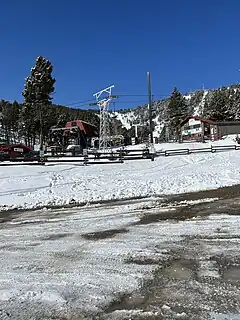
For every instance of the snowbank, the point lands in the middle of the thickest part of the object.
(37, 186)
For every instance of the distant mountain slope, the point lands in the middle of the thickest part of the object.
(200, 102)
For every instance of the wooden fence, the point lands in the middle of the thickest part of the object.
(117, 156)
(187, 151)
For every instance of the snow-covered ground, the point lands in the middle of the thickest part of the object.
(46, 264)
(64, 264)
(226, 140)
(63, 184)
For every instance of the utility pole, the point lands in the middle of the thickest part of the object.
(150, 107)
(136, 130)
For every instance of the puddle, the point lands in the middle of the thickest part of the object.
(155, 291)
(232, 274)
(144, 260)
(186, 284)
(99, 235)
(5, 217)
(177, 214)
(181, 270)
(56, 236)
(181, 212)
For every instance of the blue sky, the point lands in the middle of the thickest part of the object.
(95, 43)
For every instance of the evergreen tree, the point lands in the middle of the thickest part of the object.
(205, 109)
(9, 121)
(230, 105)
(177, 110)
(236, 105)
(36, 111)
(4, 123)
(218, 106)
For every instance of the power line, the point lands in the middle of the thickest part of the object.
(122, 102)
(119, 102)
(83, 102)
(79, 102)
(130, 101)
(142, 95)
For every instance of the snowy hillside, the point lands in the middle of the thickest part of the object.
(139, 115)
(200, 103)
(127, 119)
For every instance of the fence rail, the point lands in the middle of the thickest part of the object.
(112, 156)
(187, 151)
(117, 156)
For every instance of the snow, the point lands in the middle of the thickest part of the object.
(125, 118)
(72, 183)
(225, 141)
(159, 125)
(220, 316)
(47, 264)
(199, 108)
(50, 270)
(187, 96)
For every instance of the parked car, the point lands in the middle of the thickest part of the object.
(17, 151)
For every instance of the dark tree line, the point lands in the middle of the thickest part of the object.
(28, 121)
(223, 104)
(13, 129)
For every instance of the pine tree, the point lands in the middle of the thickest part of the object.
(230, 112)
(4, 122)
(205, 109)
(9, 121)
(177, 110)
(218, 106)
(36, 111)
(236, 105)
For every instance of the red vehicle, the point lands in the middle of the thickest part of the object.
(13, 151)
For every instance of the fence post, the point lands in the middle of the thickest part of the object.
(85, 154)
(152, 152)
(212, 150)
(121, 156)
(41, 157)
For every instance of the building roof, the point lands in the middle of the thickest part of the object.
(87, 128)
(197, 118)
(228, 123)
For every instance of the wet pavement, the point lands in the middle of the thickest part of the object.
(186, 247)
(193, 282)
(228, 194)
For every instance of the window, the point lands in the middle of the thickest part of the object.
(196, 126)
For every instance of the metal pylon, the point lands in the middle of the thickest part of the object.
(104, 143)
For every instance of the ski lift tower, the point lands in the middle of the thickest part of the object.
(104, 97)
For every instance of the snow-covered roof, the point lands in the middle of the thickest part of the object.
(197, 118)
